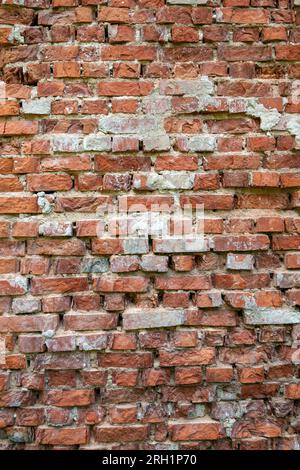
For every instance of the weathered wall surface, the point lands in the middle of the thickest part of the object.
(141, 344)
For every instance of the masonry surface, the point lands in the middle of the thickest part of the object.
(149, 344)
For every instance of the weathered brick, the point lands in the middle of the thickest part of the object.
(121, 284)
(200, 430)
(271, 316)
(121, 433)
(58, 285)
(241, 243)
(142, 359)
(63, 436)
(89, 321)
(71, 247)
(21, 305)
(136, 320)
(239, 262)
(180, 245)
(187, 358)
(16, 286)
(24, 323)
(183, 282)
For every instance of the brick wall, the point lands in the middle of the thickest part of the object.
(141, 344)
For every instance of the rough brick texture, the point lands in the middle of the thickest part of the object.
(115, 343)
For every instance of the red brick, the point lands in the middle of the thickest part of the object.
(128, 53)
(25, 323)
(188, 375)
(219, 374)
(211, 202)
(183, 283)
(175, 300)
(69, 398)
(35, 265)
(18, 205)
(25, 229)
(63, 436)
(286, 242)
(185, 339)
(241, 281)
(245, 16)
(241, 242)
(49, 182)
(210, 318)
(184, 34)
(129, 360)
(195, 431)
(122, 284)
(187, 358)
(58, 285)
